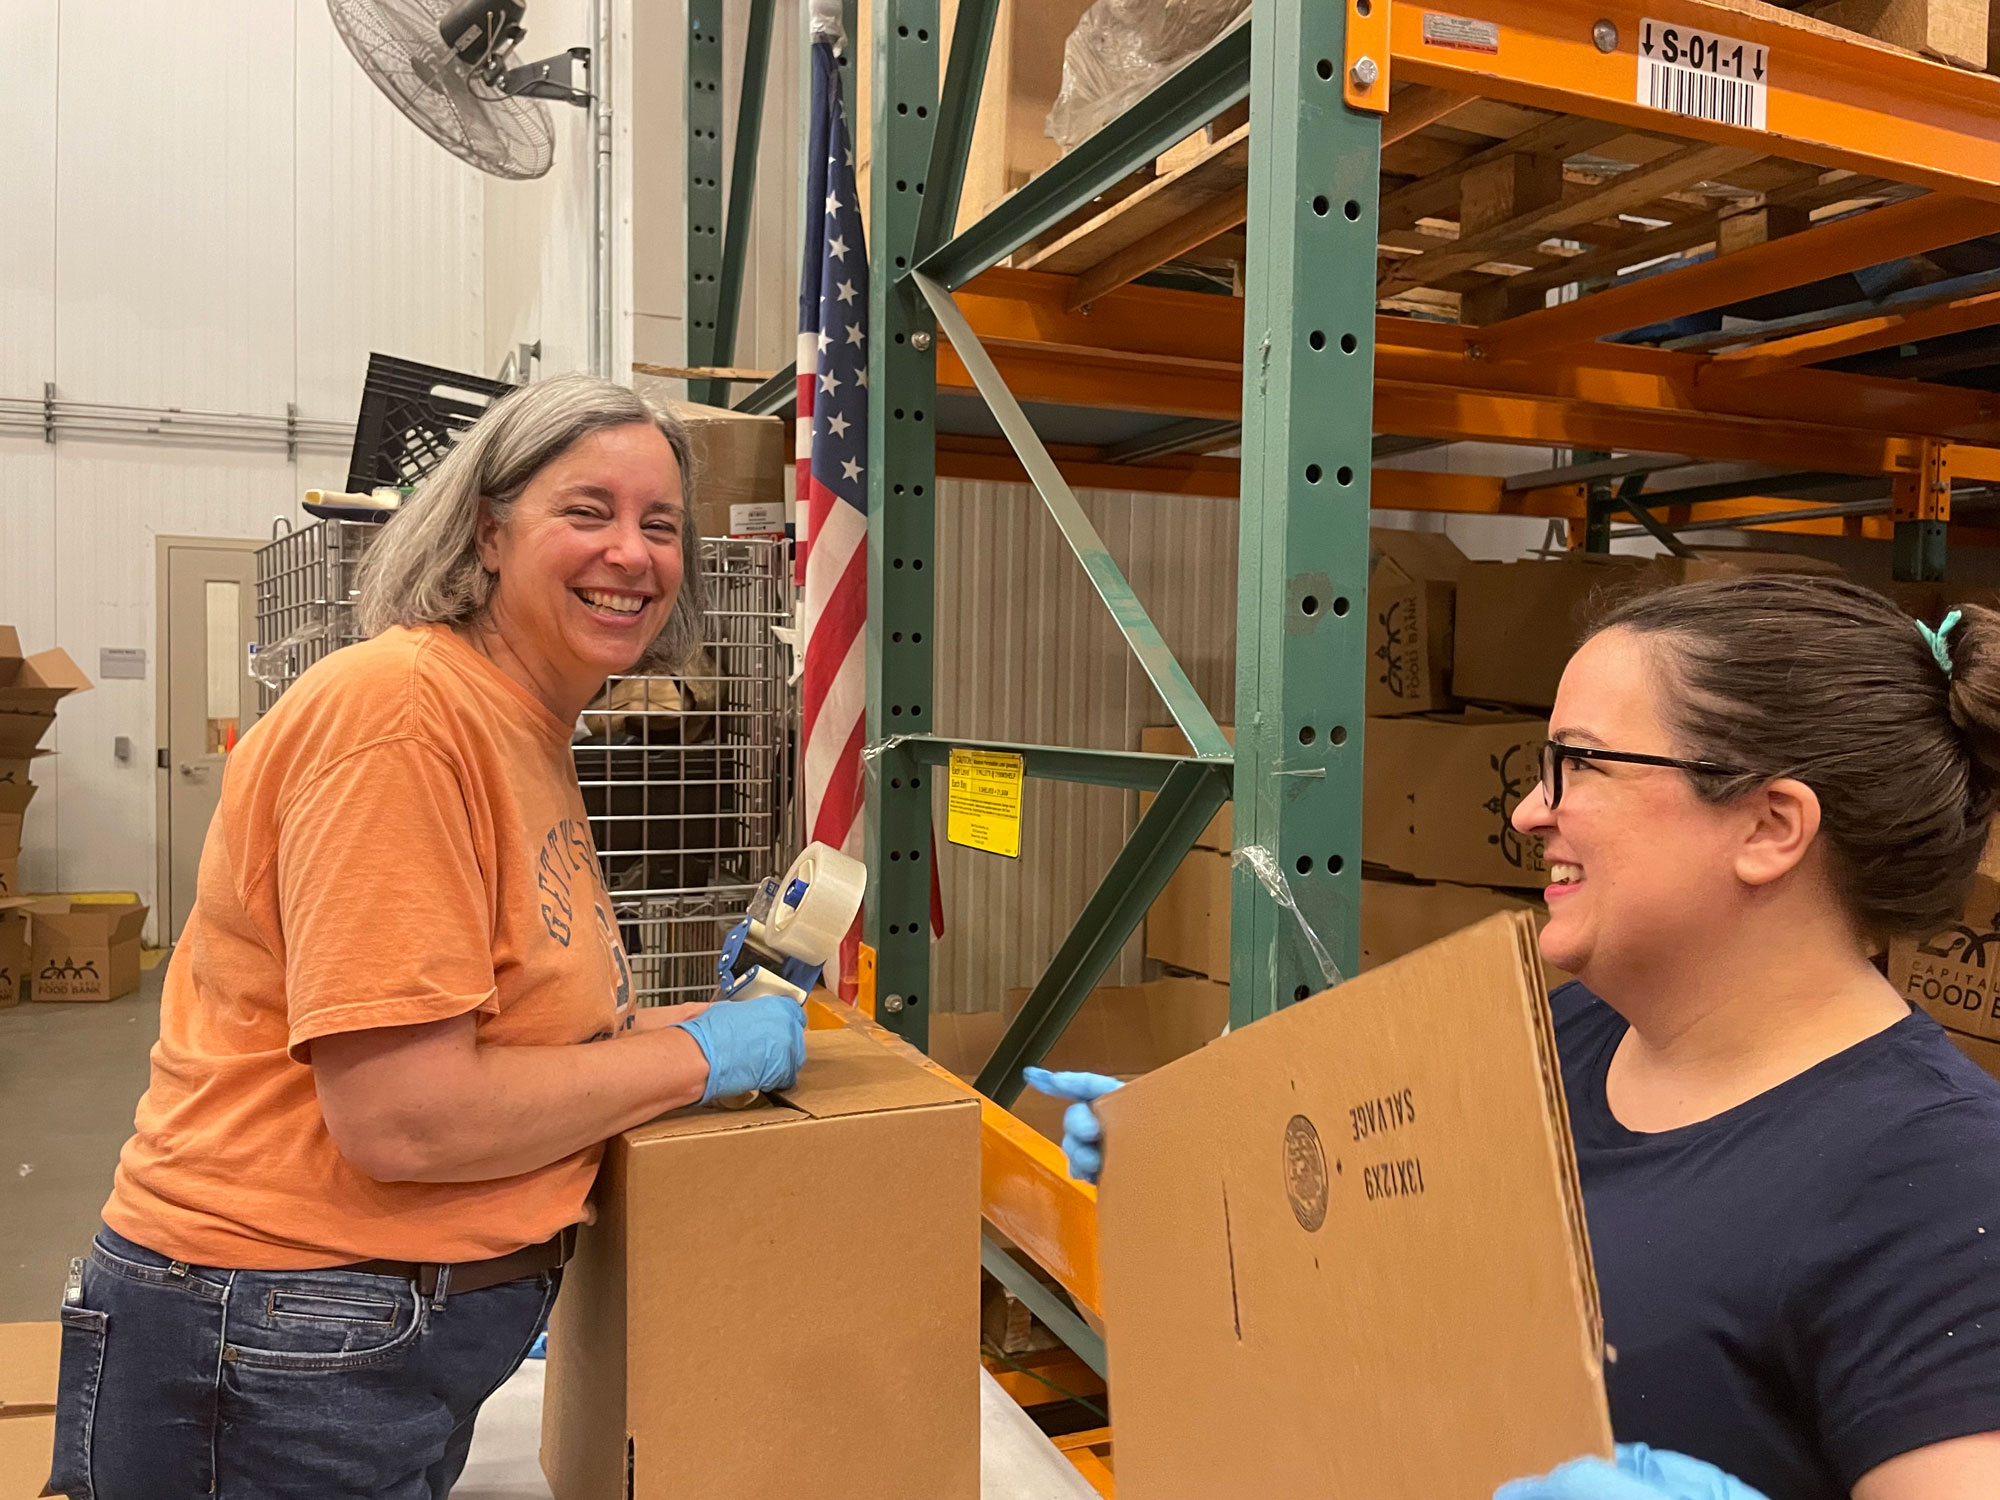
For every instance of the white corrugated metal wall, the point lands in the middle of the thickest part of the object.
(209, 207)
(1026, 651)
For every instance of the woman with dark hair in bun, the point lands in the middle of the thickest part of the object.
(1792, 1178)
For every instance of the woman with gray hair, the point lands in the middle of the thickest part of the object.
(398, 1027)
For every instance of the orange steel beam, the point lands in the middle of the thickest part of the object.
(1835, 98)
(1858, 337)
(1865, 239)
(993, 461)
(1025, 1188)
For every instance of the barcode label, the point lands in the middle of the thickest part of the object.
(1698, 73)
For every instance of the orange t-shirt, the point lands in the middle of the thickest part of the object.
(400, 840)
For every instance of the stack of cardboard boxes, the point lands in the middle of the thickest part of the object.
(30, 689)
(1464, 659)
(1951, 972)
(51, 948)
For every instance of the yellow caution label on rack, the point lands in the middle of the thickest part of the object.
(983, 806)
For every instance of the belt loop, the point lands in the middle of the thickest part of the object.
(442, 1288)
(427, 1281)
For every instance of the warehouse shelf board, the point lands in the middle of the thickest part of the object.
(1400, 229)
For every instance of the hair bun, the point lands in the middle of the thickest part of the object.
(1974, 644)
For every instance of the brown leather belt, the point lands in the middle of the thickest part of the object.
(475, 1275)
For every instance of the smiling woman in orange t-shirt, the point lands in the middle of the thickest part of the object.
(375, 1110)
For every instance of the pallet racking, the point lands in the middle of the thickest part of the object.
(1399, 165)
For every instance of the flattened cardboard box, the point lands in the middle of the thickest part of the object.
(1401, 916)
(1412, 596)
(1951, 973)
(1439, 793)
(1168, 740)
(84, 950)
(781, 1301)
(1343, 1249)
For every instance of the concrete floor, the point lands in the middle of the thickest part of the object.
(69, 1078)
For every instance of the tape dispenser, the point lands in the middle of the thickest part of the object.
(793, 927)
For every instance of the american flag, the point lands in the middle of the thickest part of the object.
(832, 483)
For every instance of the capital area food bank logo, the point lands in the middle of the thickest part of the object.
(1950, 973)
(65, 976)
(1518, 767)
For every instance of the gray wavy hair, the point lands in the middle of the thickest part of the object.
(424, 568)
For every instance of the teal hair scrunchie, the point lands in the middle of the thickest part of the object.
(1935, 639)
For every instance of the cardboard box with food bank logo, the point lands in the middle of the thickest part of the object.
(1954, 972)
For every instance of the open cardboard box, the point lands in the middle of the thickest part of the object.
(83, 950)
(780, 1301)
(1343, 1249)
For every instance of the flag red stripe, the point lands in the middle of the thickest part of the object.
(841, 803)
(834, 634)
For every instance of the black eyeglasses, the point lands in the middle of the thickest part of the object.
(1555, 753)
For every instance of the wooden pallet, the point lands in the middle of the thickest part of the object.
(1486, 207)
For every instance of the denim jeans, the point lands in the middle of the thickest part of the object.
(182, 1380)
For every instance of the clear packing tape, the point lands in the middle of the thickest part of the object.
(1121, 49)
(1264, 865)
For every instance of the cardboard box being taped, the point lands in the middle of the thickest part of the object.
(1343, 1250)
(1412, 592)
(1438, 793)
(750, 1269)
(1166, 739)
(739, 470)
(83, 950)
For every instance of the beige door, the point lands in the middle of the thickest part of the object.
(208, 617)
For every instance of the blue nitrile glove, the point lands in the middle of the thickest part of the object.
(751, 1045)
(1083, 1132)
(1641, 1473)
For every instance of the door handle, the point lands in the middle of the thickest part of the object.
(193, 772)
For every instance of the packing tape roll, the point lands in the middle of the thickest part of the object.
(812, 930)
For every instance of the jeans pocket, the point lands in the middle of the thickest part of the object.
(319, 1320)
(82, 1370)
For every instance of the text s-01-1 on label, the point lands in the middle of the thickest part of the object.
(1699, 73)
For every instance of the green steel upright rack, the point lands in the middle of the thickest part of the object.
(1295, 770)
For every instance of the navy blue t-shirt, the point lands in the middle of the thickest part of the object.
(1806, 1285)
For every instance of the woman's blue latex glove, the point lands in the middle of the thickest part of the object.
(1640, 1474)
(757, 1044)
(1083, 1132)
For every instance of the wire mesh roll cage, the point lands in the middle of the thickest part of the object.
(688, 780)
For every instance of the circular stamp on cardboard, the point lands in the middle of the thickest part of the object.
(1305, 1173)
